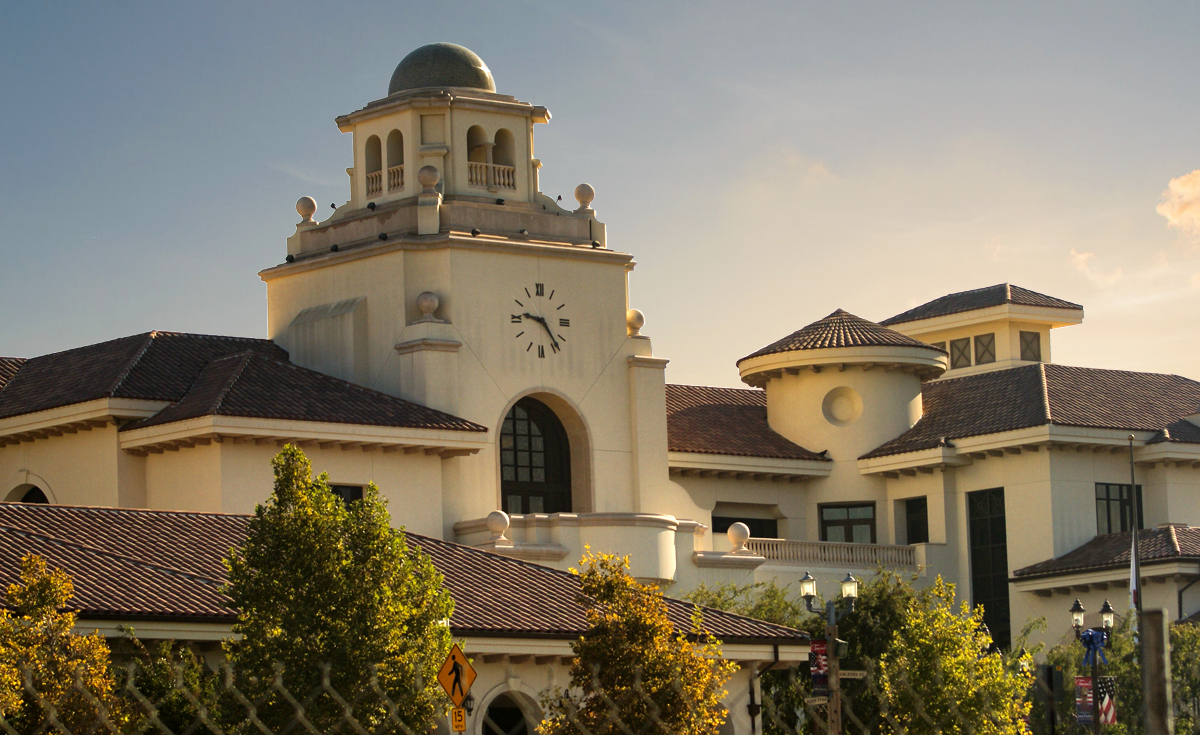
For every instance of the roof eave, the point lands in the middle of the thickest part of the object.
(926, 362)
(1053, 317)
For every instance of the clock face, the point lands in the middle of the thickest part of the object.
(539, 321)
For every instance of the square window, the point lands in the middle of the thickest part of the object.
(916, 520)
(522, 474)
(537, 504)
(835, 533)
(960, 353)
(1031, 346)
(348, 493)
(512, 504)
(939, 345)
(985, 349)
(850, 522)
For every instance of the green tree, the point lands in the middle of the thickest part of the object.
(1185, 675)
(938, 674)
(879, 612)
(632, 671)
(324, 586)
(163, 683)
(69, 672)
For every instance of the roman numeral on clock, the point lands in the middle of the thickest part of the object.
(564, 322)
(516, 318)
(541, 350)
(539, 289)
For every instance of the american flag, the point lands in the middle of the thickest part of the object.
(1108, 700)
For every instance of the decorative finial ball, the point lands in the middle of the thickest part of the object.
(428, 303)
(429, 176)
(635, 320)
(497, 522)
(739, 534)
(584, 194)
(306, 207)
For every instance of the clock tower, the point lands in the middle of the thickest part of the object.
(448, 279)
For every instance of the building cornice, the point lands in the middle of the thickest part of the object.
(693, 464)
(926, 363)
(1053, 317)
(76, 417)
(207, 430)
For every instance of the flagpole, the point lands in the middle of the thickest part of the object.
(1135, 569)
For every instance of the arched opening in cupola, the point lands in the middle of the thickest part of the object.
(28, 494)
(504, 154)
(395, 160)
(374, 162)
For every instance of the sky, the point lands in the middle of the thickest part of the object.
(765, 162)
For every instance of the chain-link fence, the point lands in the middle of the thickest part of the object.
(181, 699)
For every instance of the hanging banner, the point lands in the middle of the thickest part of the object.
(818, 666)
(1108, 700)
(1083, 700)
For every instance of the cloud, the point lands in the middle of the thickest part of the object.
(1181, 203)
(1082, 262)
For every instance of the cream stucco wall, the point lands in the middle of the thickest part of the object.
(84, 468)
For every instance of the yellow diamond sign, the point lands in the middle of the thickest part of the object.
(456, 676)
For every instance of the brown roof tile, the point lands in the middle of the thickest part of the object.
(1035, 395)
(1112, 551)
(145, 565)
(840, 329)
(729, 421)
(980, 298)
(253, 386)
(153, 366)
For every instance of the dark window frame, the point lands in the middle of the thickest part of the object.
(348, 493)
(1119, 506)
(519, 460)
(847, 523)
(987, 539)
(985, 348)
(916, 520)
(759, 527)
(1031, 346)
(960, 353)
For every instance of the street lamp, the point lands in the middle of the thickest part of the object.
(1077, 618)
(834, 648)
(1108, 617)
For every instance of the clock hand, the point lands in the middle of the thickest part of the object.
(545, 326)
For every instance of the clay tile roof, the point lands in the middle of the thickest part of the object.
(154, 565)
(251, 385)
(153, 366)
(1035, 395)
(980, 298)
(8, 368)
(840, 329)
(729, 421)
(1112, 551)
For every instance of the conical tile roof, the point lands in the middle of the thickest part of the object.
(840, 329)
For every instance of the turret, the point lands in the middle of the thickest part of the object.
(840, 372)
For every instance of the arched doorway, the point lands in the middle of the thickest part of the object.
(504, 717)
(535, 460)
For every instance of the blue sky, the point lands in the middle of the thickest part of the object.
(766, 163)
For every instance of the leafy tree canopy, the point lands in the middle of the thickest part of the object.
(36, 641)
(319, 583)
(632, 671)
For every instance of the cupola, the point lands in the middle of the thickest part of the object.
(838, 372)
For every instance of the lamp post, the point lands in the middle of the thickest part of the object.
(1107, 618)
(808, 590)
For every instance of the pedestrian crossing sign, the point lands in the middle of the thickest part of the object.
(456, 676)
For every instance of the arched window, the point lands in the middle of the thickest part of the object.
(28, 494)
(395, 160)
(535, 460)
(505, 717)
(506, 146)
(374, 166)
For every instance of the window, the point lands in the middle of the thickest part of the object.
(989, 561)
(535, 460)
(504, 717)
(916, 521)
(504, 153)
(34, 495)
(348, 493)
(848, 523)
(985, 349)
(960, 353)
(759, 527)
(1031, 346)
(1114, 508)
(939, 345)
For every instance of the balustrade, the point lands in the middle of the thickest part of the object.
(503, 177)
(374, 183)
(395, 178)
(828, 553)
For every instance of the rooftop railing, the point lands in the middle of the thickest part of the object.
(828, 553)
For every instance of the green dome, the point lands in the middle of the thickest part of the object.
(441, 65)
